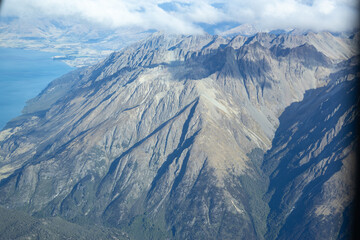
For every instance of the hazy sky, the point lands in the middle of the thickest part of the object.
(190, 16)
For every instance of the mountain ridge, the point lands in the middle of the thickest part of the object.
(169, 131)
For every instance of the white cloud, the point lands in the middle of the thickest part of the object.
(202, 12)
(185, 15)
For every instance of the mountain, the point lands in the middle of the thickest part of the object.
(192, 137)
(245, 29)
(312, 163)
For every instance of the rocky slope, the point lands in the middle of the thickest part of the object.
(312, 164)
(165, 139)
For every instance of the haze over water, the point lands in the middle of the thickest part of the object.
(23, 74)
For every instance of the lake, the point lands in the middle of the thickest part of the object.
(23, 74)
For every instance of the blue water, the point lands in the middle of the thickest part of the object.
(23, 74)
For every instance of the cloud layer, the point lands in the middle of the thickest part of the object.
(186, 16)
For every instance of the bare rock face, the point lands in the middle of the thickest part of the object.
(312, 165)
(167, 136)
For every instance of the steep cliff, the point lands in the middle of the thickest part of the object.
(312, 163)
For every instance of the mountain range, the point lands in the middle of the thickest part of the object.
(191, 137)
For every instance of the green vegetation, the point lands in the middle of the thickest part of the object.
(19, 225)
(256, 188)
(142, 227)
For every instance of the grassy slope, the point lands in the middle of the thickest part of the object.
(19, 225)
